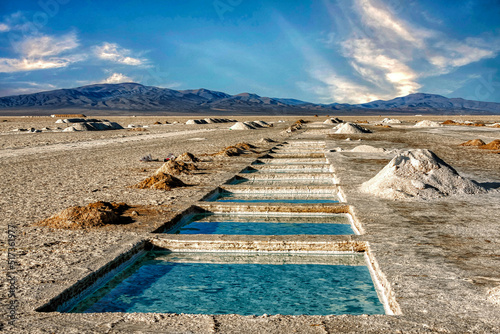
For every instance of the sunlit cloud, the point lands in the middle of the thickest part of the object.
(113, 52)
(117, 78)
(387, 55)
(42, 52)
(4, 27)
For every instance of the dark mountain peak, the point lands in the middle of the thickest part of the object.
(134, 96)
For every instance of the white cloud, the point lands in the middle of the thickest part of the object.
(113, 52)
(387, 55)
(42, 52)
(4, 27)
(117, 78)
(44, 46)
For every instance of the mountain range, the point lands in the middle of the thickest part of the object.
(139, 98)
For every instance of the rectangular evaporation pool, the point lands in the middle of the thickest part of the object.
(288, 169)
(297, 198)
(262, 224)
(281, 182)
(239, 283)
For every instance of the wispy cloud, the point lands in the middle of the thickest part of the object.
(42, 52)
(4, 27)
(117, 78)
(113, 52)
(388, 56)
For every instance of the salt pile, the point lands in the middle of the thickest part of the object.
(241, 126)
(391, 121)
(427, 123)
(418, 174)
(351, 128)
(94, 126)
(473, 142)
(368, 149)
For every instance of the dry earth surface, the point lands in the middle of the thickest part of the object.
(440, 258)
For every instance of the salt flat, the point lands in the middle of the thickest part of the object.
(438, 259)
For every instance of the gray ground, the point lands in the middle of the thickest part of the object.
(439, 260)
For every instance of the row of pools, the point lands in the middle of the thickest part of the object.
(249, 283)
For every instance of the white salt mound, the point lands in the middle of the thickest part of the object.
(427, 123)
(368, 149)
(329, 121)
(241, 126)
(419, 174)
(351, 128)
(191, 121)
(391, 121)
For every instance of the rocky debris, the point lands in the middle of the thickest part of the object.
(391, 121)
(187, 157)
(160, 181)
(175, 167)
(146, 158)
(418, 174)
(426, 123)
(473, 142)
(368, 149)
(294, 127)
(241, 126)
(349, 128)
(494, 145)
(96, 214)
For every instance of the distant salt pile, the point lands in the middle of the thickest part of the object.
(473, 142)
(495, 125)
(254, 125)
(334, 120)
(97, 125)
(418, 174)
(241, 126)
(426, 123)
(262, 123)
(348, 128)
(391, 121)
(368, 149)
(266, 141)
(160, 181)
(96, 214)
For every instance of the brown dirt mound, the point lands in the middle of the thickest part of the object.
(160, 181)
(383, 126)
(157, 122)
(175, 167)
(187, 157)
(449, 122)
(300, 121)
(473, 142)
(230, 151)
(494, 145)
(82, 217)
(138, 129)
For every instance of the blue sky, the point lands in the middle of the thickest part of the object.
(346, 51)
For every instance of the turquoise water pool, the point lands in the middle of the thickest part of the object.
(207, 283)
(232, 224)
